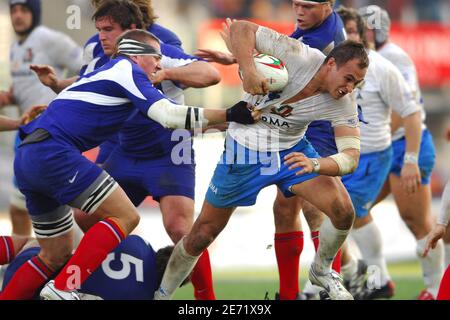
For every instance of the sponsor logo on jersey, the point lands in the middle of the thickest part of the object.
(284, 111)
(275, 122)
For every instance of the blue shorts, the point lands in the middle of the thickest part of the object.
(157, 177)
(17, 142)
(236, 185)
(427, 156)
(366, 182)
(321, 136)
(51, 174)
(106, 148)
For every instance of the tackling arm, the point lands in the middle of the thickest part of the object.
(199, 74)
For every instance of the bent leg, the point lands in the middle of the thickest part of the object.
(207, 227)
(178, 217)
(329, 196)
(415, 210)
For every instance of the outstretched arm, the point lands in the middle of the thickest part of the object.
(48, 78)
(198, 74)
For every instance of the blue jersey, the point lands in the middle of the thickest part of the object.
(127, 273)
(142, 140)
(324, 37)
(95, 107)
(94, 56)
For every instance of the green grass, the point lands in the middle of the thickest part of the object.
(253, 284)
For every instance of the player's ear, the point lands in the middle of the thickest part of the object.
(134, 59)
(331, 63)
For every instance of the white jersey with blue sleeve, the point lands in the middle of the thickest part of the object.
(383, 90)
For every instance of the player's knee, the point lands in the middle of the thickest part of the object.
(343, 214)
(284, 212)
(176, 232)
(56, 258)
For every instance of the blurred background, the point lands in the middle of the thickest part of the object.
(421, 27)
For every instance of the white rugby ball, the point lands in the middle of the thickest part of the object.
(273, 69)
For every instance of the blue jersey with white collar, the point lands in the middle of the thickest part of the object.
(95, 107)
(324, 37)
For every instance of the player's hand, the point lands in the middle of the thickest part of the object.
(298, 160)
(32, 114)
(225, 33)
(254, 83)
(158, 77)
(216, 56)
(410, 177)
(46, 75)
(6, 98)
(433, 237)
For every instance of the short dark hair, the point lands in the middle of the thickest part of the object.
(162, 259)
(350, 14)
(123, 12)
(347, 51)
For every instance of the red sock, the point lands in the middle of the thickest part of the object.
(315, 239)
(96, 244)
(202, 279)
(6, 250)
(337, 262)
(27, 280)
(444, 289)
(288, 247)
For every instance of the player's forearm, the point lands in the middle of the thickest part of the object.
(8, 124)
(61, 84)
(173, 116)
(341, 164)
(413, 132)
(243, 43)
(195, 75)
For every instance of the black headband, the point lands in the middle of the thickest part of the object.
(135, 48)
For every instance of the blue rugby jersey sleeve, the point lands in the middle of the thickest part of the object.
(165, 35)
(174, 57)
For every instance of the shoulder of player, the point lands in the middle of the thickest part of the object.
(395, 54)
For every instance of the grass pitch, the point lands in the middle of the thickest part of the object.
(253, 284)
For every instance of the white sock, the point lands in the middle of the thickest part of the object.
(349, 269)
(447, 254)
(432, 265)
(368, 239)
(178, 268)
(331, 240)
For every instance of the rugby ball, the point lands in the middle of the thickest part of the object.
(273, 69)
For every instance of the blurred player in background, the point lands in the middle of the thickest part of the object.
(384, 90)
(409, 178)
(34, 44)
